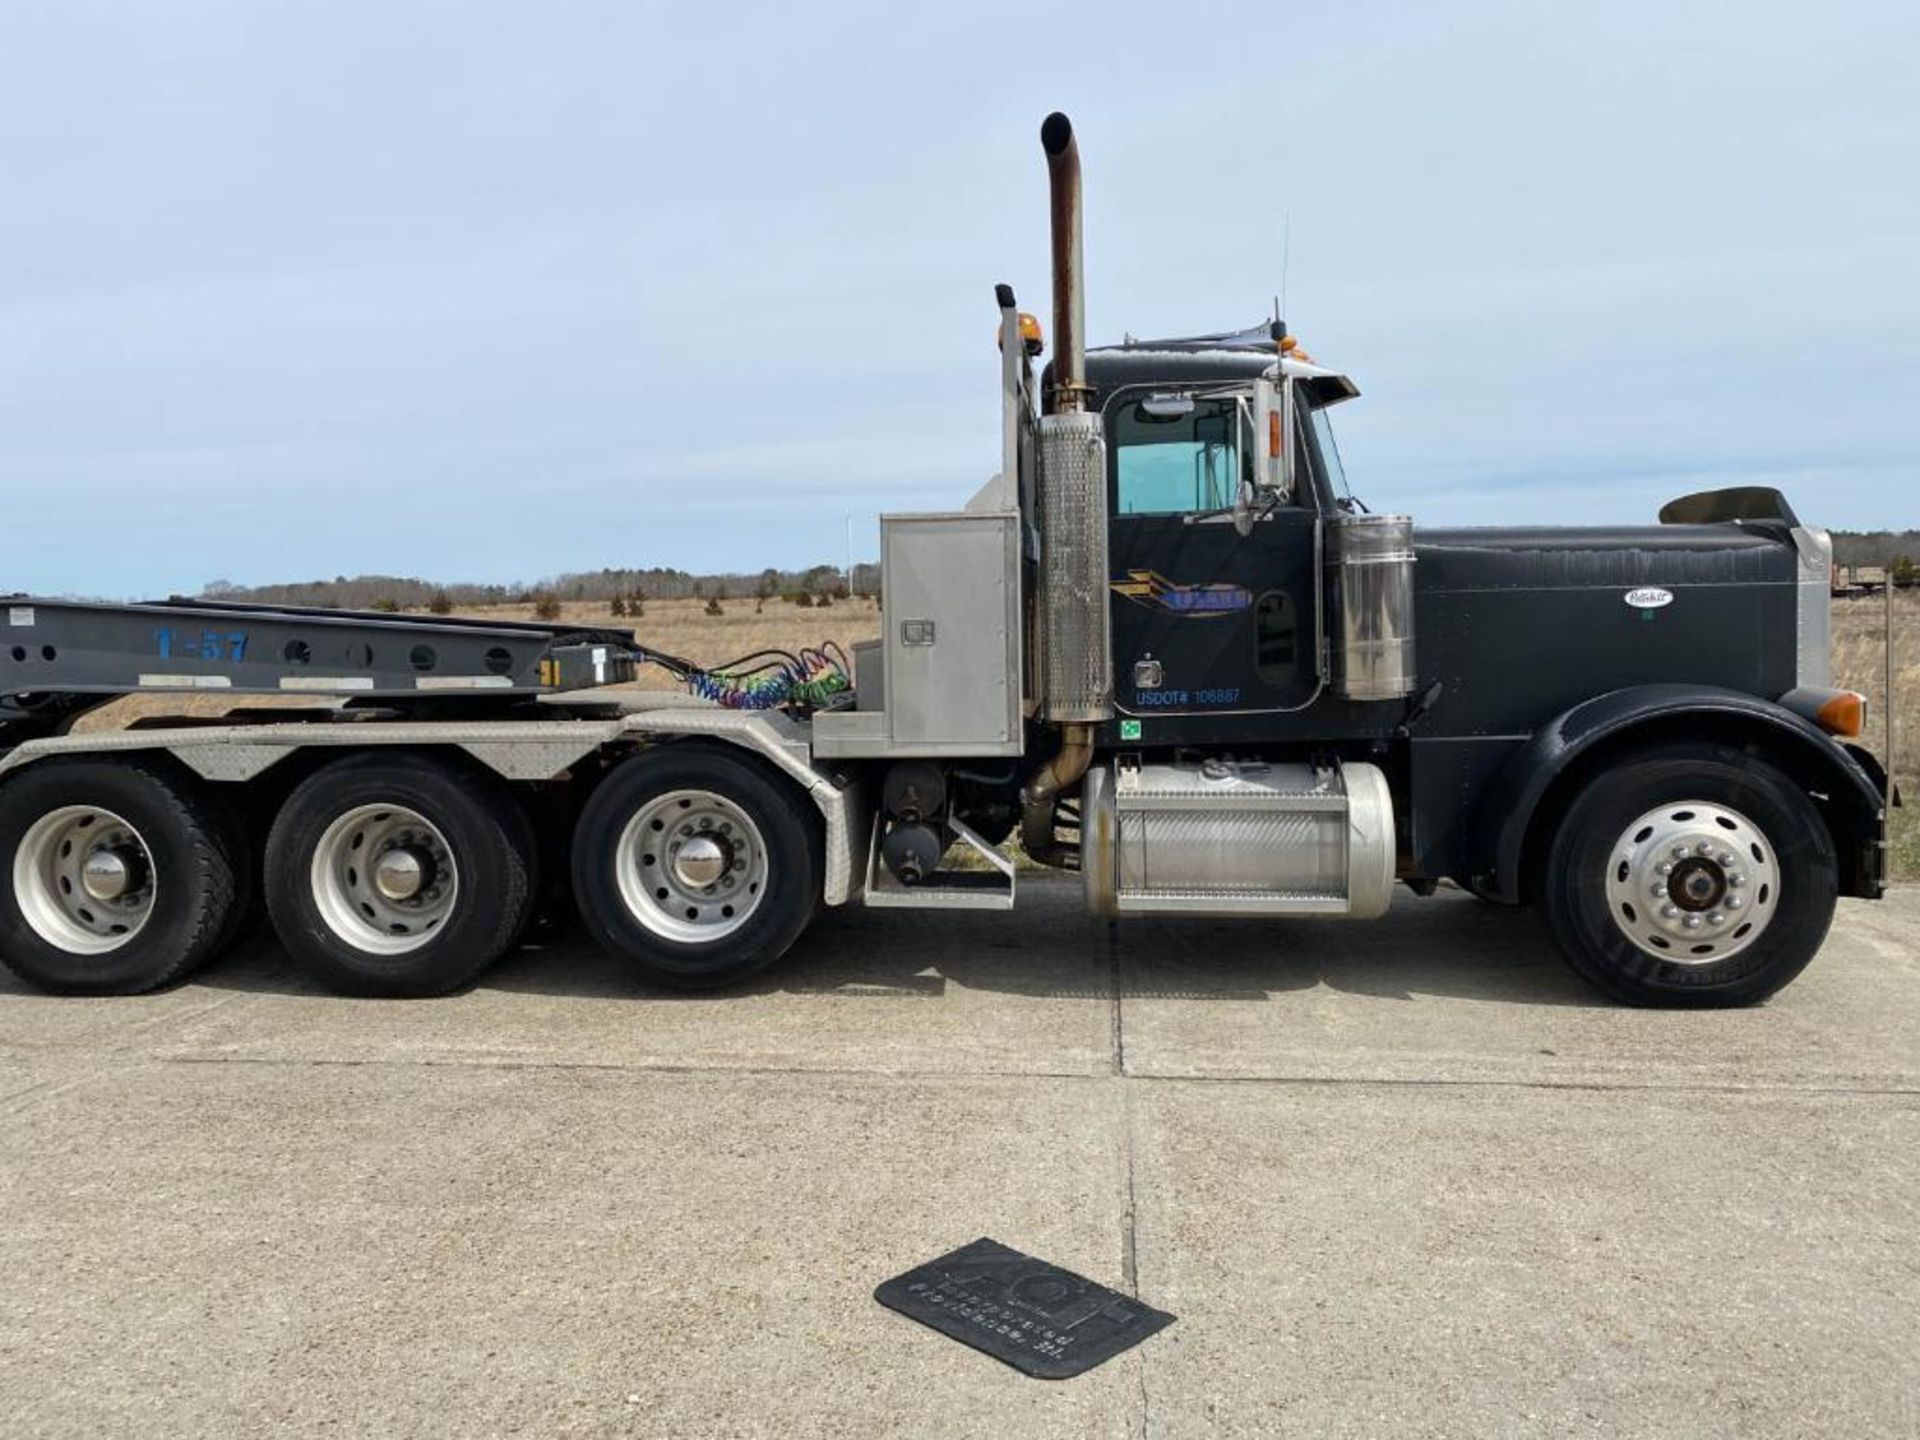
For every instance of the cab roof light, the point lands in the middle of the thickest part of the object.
(1031, 336)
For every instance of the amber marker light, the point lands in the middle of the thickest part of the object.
(1031, 338)
(1844, 715)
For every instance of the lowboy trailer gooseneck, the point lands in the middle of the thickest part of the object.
(1164, 646)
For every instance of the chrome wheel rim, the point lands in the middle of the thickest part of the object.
(384, 879)
(84, 880)
(1693, 883)
(692, 866)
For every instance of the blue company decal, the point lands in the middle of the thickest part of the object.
(1201, 602)
(214, 645)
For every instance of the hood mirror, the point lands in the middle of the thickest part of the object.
(1246, 496)
(1243, 510)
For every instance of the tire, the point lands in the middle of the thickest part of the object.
(249, 910)
(1744, 866)
(179, 859)
(756, 834)
(452, 830)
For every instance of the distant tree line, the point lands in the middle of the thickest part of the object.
(629, 588)
(1875, 548)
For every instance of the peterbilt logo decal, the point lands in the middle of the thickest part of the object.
(1650, 598)
(1156, 592)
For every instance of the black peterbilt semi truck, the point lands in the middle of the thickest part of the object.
(1164, 647)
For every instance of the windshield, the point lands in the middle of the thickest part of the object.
(1327, 457)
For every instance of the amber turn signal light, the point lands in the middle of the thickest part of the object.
(1844, 715)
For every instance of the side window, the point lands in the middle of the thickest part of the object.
(1170, 465)
(1276, 638)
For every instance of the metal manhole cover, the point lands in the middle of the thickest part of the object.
(1040, 1319)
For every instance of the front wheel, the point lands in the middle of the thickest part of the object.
(696, 865)
(1691, 875)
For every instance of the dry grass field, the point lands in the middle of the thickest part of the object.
(682, 627)
(1859, 663)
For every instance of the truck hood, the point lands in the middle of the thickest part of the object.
(1626, 556)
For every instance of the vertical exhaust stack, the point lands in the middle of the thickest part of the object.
(1078, 670)
(1073, 474)
(1069, 296)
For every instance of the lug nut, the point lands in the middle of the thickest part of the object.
(1716, 918)
(1667, 912)
(1734, 902)
(1692, 922)
(1680, 852)
(1726, 858)
(1736, 880)
(1665, 868)
(1705, 847)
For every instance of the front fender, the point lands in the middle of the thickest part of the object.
(1535, 779)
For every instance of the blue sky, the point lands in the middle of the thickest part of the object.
(490, 291)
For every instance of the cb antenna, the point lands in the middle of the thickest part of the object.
(1286, 253)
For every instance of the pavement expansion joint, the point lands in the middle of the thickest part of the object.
(1129, 1076)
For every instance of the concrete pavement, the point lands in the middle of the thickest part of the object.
(1406, 1178)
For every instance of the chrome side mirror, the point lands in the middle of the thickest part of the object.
(1273, 464)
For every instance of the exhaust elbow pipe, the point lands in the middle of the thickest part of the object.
(1041, 797)
(1069, 297)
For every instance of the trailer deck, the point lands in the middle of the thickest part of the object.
(58, 656)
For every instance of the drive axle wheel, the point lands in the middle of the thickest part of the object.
(1691, 875)
(120, 876)
(399, 875)
(697, 865)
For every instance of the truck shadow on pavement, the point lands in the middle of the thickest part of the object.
(1449, 945)
(1446, 946)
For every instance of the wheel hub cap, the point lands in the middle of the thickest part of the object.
(700, 861)
(403, 872)
(111, 872)
(1697, 884)
(1692, 883)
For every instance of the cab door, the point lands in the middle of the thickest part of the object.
(1204, 619)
